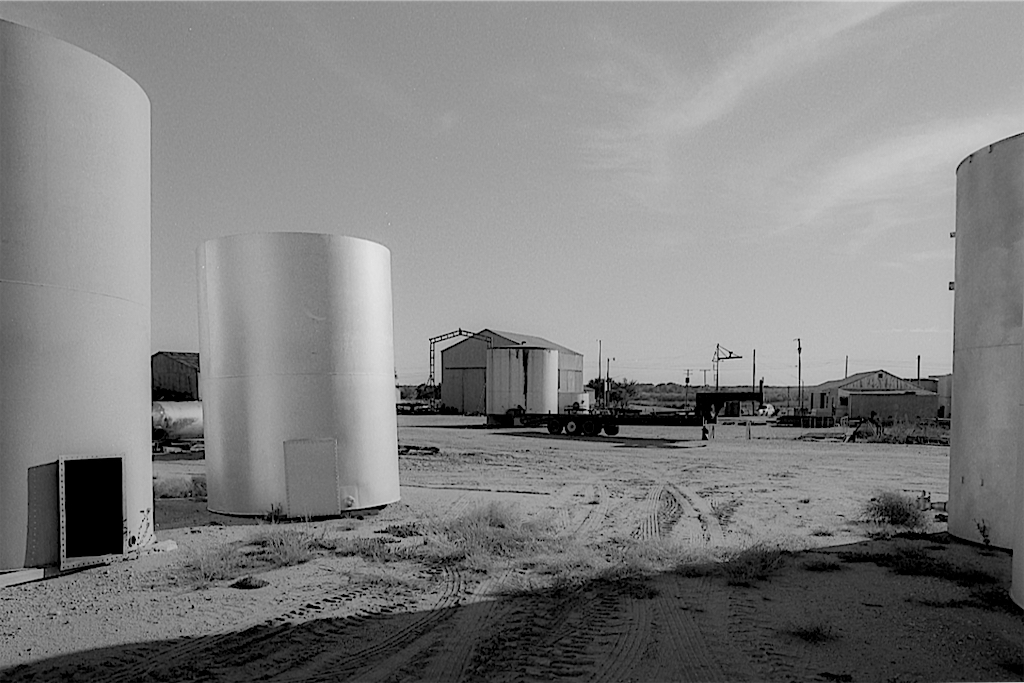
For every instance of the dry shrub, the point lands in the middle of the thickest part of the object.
(279, 547)
(893, 508)
(485, 536)
(371, 549)
(206, 566)
(262, 552)
(823, 564)
(754, 563)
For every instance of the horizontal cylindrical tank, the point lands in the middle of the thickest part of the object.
(74, 287)
(177, 420)
(522, 379)
(573, 400)
(986, 441)
(297, 350)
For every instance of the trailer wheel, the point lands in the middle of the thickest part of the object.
(572, 427)
(611, 429)
(554, 426)
(589, 428)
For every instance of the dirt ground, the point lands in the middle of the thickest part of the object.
(826, 614)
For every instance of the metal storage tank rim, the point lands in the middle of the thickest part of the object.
(987, 148)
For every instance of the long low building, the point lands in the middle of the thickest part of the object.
(464, 368)
(875, 393)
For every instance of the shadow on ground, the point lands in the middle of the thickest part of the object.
(812, 617)
(621, 441)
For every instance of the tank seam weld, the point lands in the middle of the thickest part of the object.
(4, 281)
(990, 346)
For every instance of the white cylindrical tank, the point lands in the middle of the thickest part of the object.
(522, 378)
(74, 282)
(297, 350)
(986, 439)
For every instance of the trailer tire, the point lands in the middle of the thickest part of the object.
(572, 427)
(554, 426)
(611, 429)
(589, 428)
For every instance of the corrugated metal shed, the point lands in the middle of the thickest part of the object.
(175, 376)
(464, 367)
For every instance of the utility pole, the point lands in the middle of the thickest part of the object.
(705, 371)
(686, 389)
(599, 383)
(918, 371)
(846, 372)
(607, 380)
(799, 375)
(718, 357)
(753, 374)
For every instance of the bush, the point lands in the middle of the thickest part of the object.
(896, 509)
(757, 562)
(823, 564)
(262, 552)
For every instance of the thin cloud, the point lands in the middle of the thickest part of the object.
(658, 107)
(898, 181)
(373, 88)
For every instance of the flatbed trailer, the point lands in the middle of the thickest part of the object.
(574, 423)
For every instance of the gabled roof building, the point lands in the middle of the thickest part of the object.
(464, 368)
(875, 393)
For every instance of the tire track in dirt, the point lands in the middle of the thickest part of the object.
(554, 636)
(621, 639)
(567, 505)
(650, 523)
(753, 635)
(711, 533)
(683, 653)
(446, 652)
(333, 667)
(663, 509)
(243, 643)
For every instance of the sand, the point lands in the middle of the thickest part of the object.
(344, 618)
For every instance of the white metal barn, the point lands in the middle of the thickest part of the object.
(464, 368)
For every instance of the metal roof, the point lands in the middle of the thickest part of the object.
(853, 379)
(516, 339)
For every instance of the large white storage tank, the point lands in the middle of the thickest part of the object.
(297, 350)
(75, 464)
(988, 304)
(522, 379)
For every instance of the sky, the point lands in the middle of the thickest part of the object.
(650, 179)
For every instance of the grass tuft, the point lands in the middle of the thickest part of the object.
(261, 552)
(895, 509)
(755, 563)
(823, 564)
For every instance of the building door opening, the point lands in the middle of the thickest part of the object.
(92, 509)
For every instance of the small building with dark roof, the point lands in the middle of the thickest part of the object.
(175, 376)
(464, 368)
